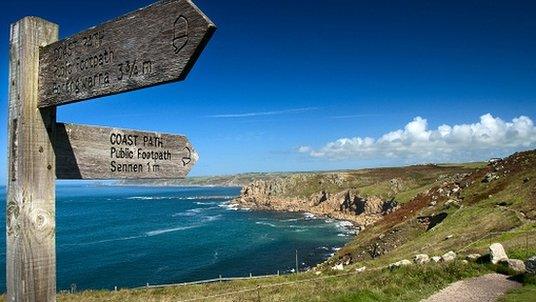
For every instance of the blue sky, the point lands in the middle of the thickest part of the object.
(309, 85)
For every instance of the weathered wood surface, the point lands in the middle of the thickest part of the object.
(86, 152)
(30, 207)
(153, 45)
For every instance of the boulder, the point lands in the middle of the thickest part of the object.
(530, 265)
(361, 269)
(490, 177)
(514, 264)
(436, 258)
(497, 253)
(338, 267)
(403, 262)
(448, 256)
(452, 203)
(421, 259)
(472, 257)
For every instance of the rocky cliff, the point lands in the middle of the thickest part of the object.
(347, 204)
(360, 196)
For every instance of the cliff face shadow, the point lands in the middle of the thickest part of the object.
(353, 204)
(436, 219)
(66, 164)
(359, 205)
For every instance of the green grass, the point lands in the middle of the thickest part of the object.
(369, 182)
(527, 293)
(405, 284)
(523, 294)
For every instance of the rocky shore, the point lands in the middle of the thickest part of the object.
(346, 204)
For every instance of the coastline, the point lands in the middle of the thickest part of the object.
(314, 215)
(348, 227)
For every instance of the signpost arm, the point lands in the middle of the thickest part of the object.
(30, 206)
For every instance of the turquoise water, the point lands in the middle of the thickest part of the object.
(130, 236)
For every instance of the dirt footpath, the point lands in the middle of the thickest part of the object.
(480, 289)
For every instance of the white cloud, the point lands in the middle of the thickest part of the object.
(416, 142)
(262, 113)
(304, 149)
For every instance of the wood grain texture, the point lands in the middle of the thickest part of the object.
(30, 209)
(153, 45)
(87, 152)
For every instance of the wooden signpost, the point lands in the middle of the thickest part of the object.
(153, 45)
(150, 46)
(84, 152)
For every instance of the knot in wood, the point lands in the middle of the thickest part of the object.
(42, 222)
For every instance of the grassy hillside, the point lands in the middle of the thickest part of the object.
(503, 210)
(452, 207)
(400, 183)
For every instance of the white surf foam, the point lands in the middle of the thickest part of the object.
(225, 197)
(204, 203)
(309, 216)
(164, 231)
(229, 206)
(103, 241)
(346, 227)
(266, 223)
(290, 220)
(212, 218)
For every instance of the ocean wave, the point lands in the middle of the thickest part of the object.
(225, 197)
(306, 227)
(293, 226)
(229, 206)
(346, 227)
(164, 231)
(212, 218)
(309, 216)
(103, 241)
(184, 214)
(266, 223)
(215, 257)
(289, 220)
(193, 212)
(265, 237)
(205, 203)
(143, 197)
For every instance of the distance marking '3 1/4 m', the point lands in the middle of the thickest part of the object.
(153, 45)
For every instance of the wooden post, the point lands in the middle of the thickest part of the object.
(30, 209)
(297, 267)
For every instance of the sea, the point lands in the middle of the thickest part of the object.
(130, 236)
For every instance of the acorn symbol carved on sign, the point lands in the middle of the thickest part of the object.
(180, 33)
(188, 158)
